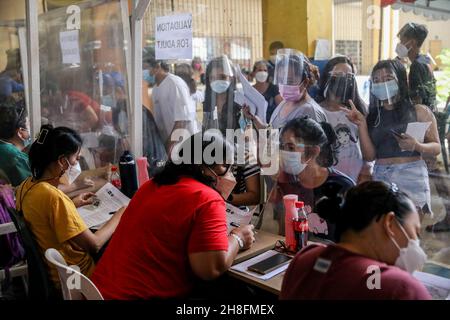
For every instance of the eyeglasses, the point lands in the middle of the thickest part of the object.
(281, 247)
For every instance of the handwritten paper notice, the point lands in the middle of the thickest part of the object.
(173, 37)
(70, 49)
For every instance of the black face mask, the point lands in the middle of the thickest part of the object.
(340, 88)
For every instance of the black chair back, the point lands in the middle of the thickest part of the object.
(40, 287)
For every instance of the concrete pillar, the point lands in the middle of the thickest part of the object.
(297, 23)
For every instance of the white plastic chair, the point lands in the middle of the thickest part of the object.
(87, 289)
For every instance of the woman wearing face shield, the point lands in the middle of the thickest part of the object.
(337, 87)
(307, 156)
(220, 110)
(378, 229)
(383, 135)
(293, 75)
(50, 214)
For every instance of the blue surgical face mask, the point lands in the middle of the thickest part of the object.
(149, 78)
(220, 86)
(385, 90)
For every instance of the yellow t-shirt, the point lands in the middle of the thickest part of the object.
(53, 219)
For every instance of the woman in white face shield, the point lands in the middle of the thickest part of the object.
(220, 110)
(269, 90)
(388, 135)
(307, 154)
(378, 249)
(294, 75)
(50, 214)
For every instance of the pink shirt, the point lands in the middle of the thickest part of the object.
(334, 273)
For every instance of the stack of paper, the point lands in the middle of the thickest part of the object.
(108, 199)
(438, 287)
(237, 216)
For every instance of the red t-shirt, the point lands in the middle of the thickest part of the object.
(334, 273)
(147, 256)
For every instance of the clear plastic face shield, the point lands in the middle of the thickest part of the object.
(384, 87)
(219, 110)
(340, 87)
(289, 67)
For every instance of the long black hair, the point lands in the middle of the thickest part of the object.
(51, 144)
(364, 204)
(317, 134)
(191, 164)
(325, 77)
(403, 107)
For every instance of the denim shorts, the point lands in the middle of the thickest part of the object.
(411, 178)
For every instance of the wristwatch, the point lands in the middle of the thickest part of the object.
(239, 240)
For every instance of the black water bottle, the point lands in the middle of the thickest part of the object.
(128, 175)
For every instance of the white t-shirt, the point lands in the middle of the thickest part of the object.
(349, 150)
(172, 103)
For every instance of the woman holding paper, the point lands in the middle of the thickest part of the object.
(294, 75)
(397, 133)
(50, 214)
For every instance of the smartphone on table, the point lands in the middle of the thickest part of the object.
(268, 265)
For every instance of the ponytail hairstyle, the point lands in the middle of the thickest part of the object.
(315, 134)
(364, 204)
(51, 144)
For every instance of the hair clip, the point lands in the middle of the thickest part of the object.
(42, 136)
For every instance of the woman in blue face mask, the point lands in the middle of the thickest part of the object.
(307, 154)
(378, 248)
(387, 135)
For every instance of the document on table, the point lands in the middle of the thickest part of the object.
(243, 266)
(108, 199)
(418, 130)
(251, 97)
(237, 216)
(438, 287)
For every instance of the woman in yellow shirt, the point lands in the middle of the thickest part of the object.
(50, 214)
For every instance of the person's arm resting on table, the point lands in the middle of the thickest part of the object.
(211, 250)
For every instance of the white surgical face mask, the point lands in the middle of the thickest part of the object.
(291, 162)
(385, 90)
(402, 50)
(412, 257)
(261, 76)
(220, 86)
(70, 174)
